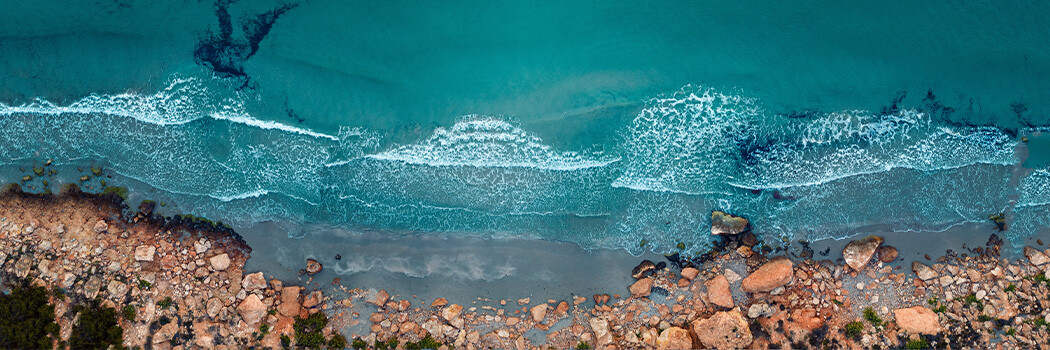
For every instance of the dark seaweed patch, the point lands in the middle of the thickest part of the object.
(224, 54)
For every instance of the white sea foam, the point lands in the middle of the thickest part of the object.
(481, 141)
(182, 101)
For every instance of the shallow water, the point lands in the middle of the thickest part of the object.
(604, 123)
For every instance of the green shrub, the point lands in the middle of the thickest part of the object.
(164, 304)
(308, 331)
(1011, 288)
(359, 344)
(854, 329)
(145, 285)
(285, 341)
(871, 316)
(427, 342)
(27, 320)
(129, 313)
(583, 345)
(338, 341)
(122, 192)
(97, 328)
(918, 344)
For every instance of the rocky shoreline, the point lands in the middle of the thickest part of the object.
(184, 280)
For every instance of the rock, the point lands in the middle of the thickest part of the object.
(381, 298)
(690, 273)
(451, 312)
(718, 291)
(858, 252)
(644, 269)
(723, 330)
(760, 310)
(674, 338)
(290, 302)
(253, 281)
(600, 327)
(100, 226)
(164, 334)
(439, 302)
(116, 289)
(641, 288)
(220, 262)
(924, 272)
(201, 246)
(145, 252)
(539, 312)
(313, 299)
(1035, 256)
(251, 309)
(146, 207)
(725, 224)
(887, 253)
(214, 306)
(731, 276)
(773, 274)
(563, 307)
(313, 267)
(917, 319)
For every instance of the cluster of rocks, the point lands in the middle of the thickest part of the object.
(189, 290)
(187, 287)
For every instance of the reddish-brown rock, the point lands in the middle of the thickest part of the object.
(674, 338)
(773, 274)
(723, 330)
(641, 288)
(858, 252)
(718, 291)
(917, 319)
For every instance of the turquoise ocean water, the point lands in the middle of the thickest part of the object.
(600, 123)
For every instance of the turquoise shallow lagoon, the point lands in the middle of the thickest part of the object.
(603, 124)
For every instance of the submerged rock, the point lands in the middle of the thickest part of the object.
(644, 269)
(858, 252)
(146, 207)
(773, 274)
(313, 266)
(887, 253)
(723, 330)
(725, 224)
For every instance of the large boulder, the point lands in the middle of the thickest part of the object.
(723, 330)
(539, 312)
(220, 262)
(858, 252)
(600, 327)
(290, 302)
(924, 272)
(725, 224)
(641, 288)
(773, 274)
(251, 309)
(718, 291)
(917, 319)
(674, 338)
(1035, 256)
(253, 281)
(381, 298)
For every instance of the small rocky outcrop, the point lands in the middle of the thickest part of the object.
(773, 274)
(251, 309)
(725, 224)
(859, 252)
(917, 319)
(723, 330)
(643, 270)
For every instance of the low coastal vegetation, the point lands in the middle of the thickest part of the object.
(27, 319)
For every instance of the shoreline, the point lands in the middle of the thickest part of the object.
(813, 303)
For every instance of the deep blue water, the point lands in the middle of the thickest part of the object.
(600, 123)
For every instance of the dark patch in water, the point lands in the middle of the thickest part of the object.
(894, 106)
(224, 54)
